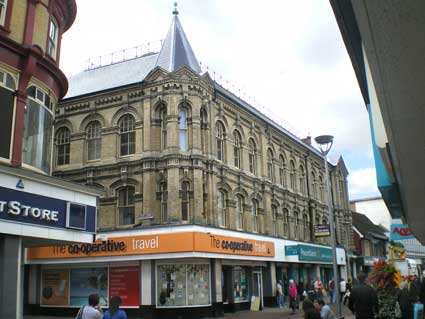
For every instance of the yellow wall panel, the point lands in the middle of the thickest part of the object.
(17, 21)
(41, 27)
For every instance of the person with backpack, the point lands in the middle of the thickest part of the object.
(114, 311)
(92, 310)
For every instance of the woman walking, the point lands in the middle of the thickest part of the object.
(293, 294)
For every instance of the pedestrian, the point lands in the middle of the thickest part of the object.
(318, 289)
(92, 310)
(310, 312)
(405, 300)
(331, 285)
(342, 289)
(348, 286)
(325, 310)
(363, 301)
(114, 311)
(293, 293)
(300, 290)
(279, 294)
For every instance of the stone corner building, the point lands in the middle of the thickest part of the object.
(171, 147)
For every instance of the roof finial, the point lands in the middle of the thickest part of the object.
(175, 11)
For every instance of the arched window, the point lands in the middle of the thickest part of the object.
(274, 220)
(252, 157)
(62, 141)
(127, 135)
(282, 177)
(270, 169)
(293, 176)
(185, 201)
(221, 206)
(239, 212)
(306, 227)
(219, 137)
(94, 141)
(237, 149)
(183, 129)
(164, 120)
(285, 222)
(204, 130)
(126, 206)
(254, 210)
(296, 225)
(302, 180)
(7, 98)
(322, 189)
(164, 202)
(313, 185)
(317, 220)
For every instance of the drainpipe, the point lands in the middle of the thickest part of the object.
(310, 209)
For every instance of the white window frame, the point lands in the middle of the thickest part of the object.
(52, 43)
(3, 8)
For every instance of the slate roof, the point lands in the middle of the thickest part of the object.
(366, 227)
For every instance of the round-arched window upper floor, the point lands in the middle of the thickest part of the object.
(127, 135)
(63, 146)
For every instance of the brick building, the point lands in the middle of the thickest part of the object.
(176, 153)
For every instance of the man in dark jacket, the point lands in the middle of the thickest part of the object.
(363, 300)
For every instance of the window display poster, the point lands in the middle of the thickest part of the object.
(55, 285)
(124, 282)
(87, 281)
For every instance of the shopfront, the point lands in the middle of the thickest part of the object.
(186, 272)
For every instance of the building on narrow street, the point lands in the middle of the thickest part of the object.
(207, 201)
(35, 208)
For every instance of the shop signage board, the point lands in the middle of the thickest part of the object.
(157, 243)
(314, 253)
(124, 282)
(322, 230)
(291, 250)
(400, 232)
(22, 207)
(55, 283)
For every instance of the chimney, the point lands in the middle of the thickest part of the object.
(307, 140)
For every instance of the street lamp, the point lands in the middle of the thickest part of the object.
(325, 143)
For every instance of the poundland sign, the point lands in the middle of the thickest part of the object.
(27, 208)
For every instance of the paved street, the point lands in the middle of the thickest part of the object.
(267, 313)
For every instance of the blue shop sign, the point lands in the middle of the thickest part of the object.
(314, 253)
(27, 208)
(291, 250)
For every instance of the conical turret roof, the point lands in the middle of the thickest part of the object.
(176, 50)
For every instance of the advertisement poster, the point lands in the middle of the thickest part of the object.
(87, 281)
(55, 290)
(124, 282)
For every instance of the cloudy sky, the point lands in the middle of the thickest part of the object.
(285, 56)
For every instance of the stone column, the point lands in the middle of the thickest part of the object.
(173, 188)
(150, 140)
(151, 205)
(12, 278)
(198, 197)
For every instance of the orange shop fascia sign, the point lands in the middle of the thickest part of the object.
(157, 244)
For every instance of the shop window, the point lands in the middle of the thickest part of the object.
(38, 130)
(237, 149)
(185, 201)
(252, 156)
(221, 208)
(7, 107)
(274, 220)
(239, 212)
(282, 178)
(254, 210)
(183, 129)
(52, 41)
(219, 137)
(94, 141)
(164, 128)
(126, 206)
(63, 145)
(3, 9)
(180, 285)
(270, 169)
(240, 285)
(127, 135)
